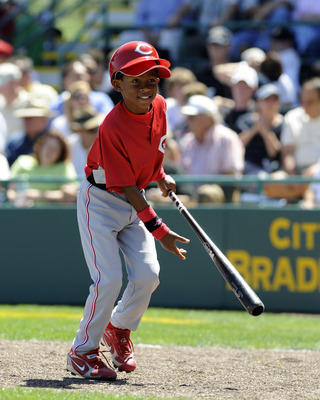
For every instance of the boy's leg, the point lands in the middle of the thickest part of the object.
(138, 247)
(140, 254)
(100, 216)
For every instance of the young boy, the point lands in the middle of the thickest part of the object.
(113, 213)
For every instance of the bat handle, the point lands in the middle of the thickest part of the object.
(176, 200)
(171, 194)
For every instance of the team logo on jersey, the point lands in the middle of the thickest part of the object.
(162, 145)
(144, 49)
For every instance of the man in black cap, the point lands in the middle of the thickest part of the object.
(218, 43)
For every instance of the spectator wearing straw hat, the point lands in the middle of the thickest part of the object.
(35, 117)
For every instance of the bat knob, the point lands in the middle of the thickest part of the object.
(257, 310)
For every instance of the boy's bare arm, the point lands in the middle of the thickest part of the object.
(134, 197)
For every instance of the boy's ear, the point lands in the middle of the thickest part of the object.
(116, 83)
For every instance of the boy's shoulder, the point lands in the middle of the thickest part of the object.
(160, 100)
(159, 106)
(114, 115)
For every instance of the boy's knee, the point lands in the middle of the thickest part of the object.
(113, 283)
(148, 279)
(154, 281)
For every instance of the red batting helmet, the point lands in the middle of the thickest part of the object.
(136, 58)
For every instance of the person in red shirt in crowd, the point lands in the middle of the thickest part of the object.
(113, 213)
(6, 51)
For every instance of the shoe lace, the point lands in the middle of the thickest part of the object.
(125, 343)
(98, 361)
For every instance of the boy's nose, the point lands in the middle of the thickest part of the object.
(145, 85)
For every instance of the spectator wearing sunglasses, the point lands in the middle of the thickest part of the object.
(74, 71)
(78, 99)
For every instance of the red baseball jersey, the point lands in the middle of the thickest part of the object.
(130, 147)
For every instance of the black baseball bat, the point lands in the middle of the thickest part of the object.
(245, 294)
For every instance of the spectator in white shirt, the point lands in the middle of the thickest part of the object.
(300, 139)
(12, 97)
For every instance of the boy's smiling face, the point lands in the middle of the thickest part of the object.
(138, 92)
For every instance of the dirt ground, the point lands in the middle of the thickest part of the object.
(185, 372)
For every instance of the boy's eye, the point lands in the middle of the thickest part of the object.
(150, 80)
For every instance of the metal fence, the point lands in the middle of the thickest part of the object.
(255, 195)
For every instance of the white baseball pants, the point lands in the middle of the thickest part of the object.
(107, 223)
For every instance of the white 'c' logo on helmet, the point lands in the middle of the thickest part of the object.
(143, 52)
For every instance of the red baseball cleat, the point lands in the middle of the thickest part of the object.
(89, 365)
(120, 346)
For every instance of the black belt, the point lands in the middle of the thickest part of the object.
(98, 185)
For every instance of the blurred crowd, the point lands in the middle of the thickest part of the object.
(242, 100)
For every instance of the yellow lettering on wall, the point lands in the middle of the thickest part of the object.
(276, 226)
(310, 228)
(296, 242)
(283, 275)
(241, 260)
(261, 273)
(284, 234)
(307, 265)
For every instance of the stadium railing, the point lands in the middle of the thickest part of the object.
(255, 182)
